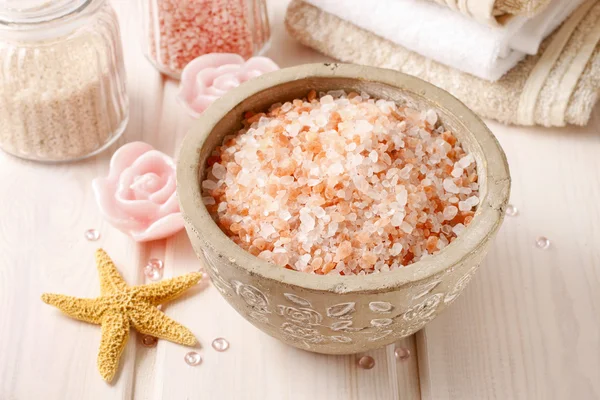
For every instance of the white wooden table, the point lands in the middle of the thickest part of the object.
(527, 327)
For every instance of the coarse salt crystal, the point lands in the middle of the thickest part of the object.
(209, 201)
(465, 161)
(286, 180)
(266, 230)
(457, 172)
(219, 171)
(401, 195)
(450, 186)
(362, 127)
(285, 215)
(335, 169)
(373, 156)
(209, 185)
(431, 117)
(473, 201)
(406, 227)
(265, 255)
(450, 212)
(327, 99)
(396, 249)
(405, 172)
(293, 129)
(464, 206)
(397, 219)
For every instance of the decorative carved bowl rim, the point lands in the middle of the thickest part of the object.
(494, 176)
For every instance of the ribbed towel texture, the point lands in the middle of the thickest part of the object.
(450, 38)
(495, 12)
(558, 86)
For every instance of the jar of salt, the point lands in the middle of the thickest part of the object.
(177, 31)
(62, 79)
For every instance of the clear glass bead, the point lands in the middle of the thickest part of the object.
(92, 235)
(156, 263)
(401, 353)
(542, 243)
(149, 341)
(152, 272)
(220, 344)
(192, 358)
(512, 211)
(366, 362)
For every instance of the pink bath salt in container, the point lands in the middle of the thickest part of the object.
(178, 31)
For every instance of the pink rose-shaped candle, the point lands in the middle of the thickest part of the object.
(138, 196)
(210, 76)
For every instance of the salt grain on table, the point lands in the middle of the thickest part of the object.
(341, 184)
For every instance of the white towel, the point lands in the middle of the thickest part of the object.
(450, 38)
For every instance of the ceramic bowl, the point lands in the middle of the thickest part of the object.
(340, 314)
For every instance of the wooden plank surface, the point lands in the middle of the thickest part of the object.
(526, 328)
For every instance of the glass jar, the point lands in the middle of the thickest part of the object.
(177, 31)
(62, 79)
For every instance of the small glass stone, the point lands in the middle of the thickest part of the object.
(192, 358)
(512, 211)
(366, 362)
(220, 344)
(149, 341)
(152, 273)
(402, 353)
(155, 263)
(542, 243)
(92, 235)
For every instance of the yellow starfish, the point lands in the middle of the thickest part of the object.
(120, 306)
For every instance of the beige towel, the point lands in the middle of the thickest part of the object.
(496, 11)
(528, 8)
(558, 86)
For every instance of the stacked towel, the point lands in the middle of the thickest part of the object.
(495, 12)
(558, 86)
(450, 38)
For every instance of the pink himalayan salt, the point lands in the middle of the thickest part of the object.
(190, 28)
(341, 184)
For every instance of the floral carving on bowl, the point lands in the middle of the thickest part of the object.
(341, 339)
(381, 307)
(381, 322)
(342, 310)
(217, 280)
(259, 316)
(301, 316)
(460, 285)
(424, 309)
(344, 326)
(309, 335)
(426, 289)
(414, 327)
(297, 300)
(251, 295)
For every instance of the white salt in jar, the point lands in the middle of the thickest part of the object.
(62, 79)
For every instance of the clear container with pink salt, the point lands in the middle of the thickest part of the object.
(177, 31)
